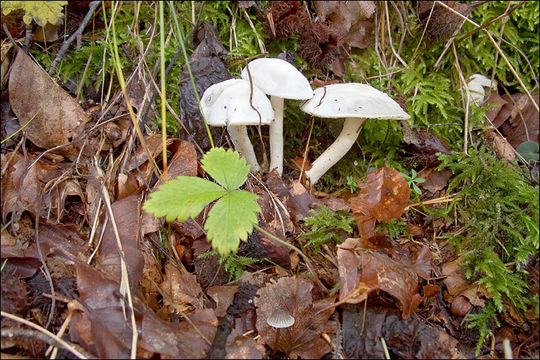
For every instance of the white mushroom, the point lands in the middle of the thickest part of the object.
(280, 319)
(228, 104)
(476, 84)
(354, 102)
(280, 80)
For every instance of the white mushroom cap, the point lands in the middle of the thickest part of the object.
(280, 319)
(227, 103)
(353, 100)
(277, 77)
(476, 84)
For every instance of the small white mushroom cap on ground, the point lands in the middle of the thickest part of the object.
(356, 103)
(228, 104)
(280, 319)
(280, 80)
(476, 84)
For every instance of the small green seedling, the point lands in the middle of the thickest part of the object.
(413, 180)
(529, 151)
(231, 218)
(352, 184)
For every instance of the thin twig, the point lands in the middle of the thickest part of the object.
(52, 338)
(60, 54)
(467, 102)
(255, 109)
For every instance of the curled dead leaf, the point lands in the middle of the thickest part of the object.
(383, 196)
(374, 270)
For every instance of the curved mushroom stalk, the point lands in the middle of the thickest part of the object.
(276, 135)
(243, 145)
(338, 149)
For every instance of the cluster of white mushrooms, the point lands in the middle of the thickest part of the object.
(232, 103)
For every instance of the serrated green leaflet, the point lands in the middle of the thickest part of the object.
(226, 167)
(183, 197)
(230, 219)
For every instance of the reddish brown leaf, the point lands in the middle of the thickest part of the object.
(373, 270)
(293, 295)
(383, 196)
(126, 215)
(57, 115)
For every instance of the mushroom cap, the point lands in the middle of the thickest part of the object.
(277, 77)
(227, 103)
(280, 319)
(353, 100)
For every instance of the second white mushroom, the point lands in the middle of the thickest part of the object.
(228, 104)
(354, 102)
(280, 80)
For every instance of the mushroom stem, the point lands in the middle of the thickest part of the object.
(276, 135)
(338, 149)
(242, 144)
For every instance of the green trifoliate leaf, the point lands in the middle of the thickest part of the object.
(231, 219)
(226, 167)
(182, 198)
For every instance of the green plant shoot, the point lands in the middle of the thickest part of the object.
(231, 218)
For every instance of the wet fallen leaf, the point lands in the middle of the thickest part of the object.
(383, 196)
(56, 115)
(369, 270)
(408, 338)
(294, 296)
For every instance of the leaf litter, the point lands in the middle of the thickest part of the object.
(390, 285)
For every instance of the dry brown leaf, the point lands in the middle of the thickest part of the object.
(294, 296)
(456, 284)
(383, 196)
(103, 330)
(57, 115)
(223, 296)
(182, 289)
(361, 268)
(25, 189)
(436, 180)
(240, 346)
(353, 20)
